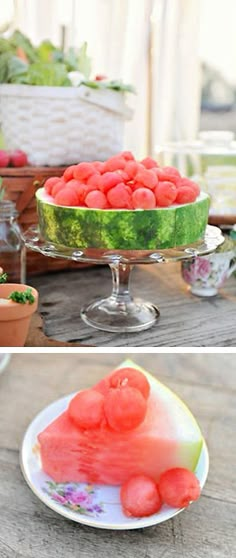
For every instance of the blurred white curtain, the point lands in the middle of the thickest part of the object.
(150, 43)
(176, 76)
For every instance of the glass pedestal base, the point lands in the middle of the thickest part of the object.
(121, 312)
(108, 314)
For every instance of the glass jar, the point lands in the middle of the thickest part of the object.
(12, 249)
(211, 162)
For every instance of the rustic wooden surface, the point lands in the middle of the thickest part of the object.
(186, 320)
(28, 529)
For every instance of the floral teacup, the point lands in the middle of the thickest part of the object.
(206, 274)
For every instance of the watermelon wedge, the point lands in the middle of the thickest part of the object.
(168, 437)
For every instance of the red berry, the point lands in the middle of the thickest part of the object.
(189, 183)
(49, 183)
(178, 487)
(69, 173)
(114, 163)
(185, 195)
(143, 198)
(82, 171)
(96, 200)
(120, 197)
(18, 158)
(125, 408)
(166, 193)
(100, 77)
(147, 178)
(149, 163)
(140, 496)
(4, 158)
(60, 184)
(86, 409)
(67, 196)
(109, 180)
(130, 377)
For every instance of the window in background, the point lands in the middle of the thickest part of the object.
(217, 49)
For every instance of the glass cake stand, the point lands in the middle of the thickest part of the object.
(120, 312)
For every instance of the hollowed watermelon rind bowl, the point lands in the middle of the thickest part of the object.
(121, 229)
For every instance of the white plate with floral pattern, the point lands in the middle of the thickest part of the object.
(93, 505)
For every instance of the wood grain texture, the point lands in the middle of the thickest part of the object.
(28, 529)
(185, 321)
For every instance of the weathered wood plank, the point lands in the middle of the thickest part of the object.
(28, 529)
(185, 320)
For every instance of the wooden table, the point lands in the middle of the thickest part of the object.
(28, 529)
(186, 320)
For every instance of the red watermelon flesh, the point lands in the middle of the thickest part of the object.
(168, 437)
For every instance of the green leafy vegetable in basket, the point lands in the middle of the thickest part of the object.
(22, 297)
(47, 74)
(23, 63)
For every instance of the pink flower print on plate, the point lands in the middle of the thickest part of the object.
(79, 498)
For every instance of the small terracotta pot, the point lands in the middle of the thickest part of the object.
(15, 317)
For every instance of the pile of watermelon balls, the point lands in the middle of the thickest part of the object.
(121, 182)
(122, 407)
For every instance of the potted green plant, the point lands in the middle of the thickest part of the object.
(53, 109)
(17, 304)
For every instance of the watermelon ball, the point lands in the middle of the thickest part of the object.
(83, 171)
(60, 184)
(114, 163)
(67, 197)
(190, 184)
(130, 377)
(166, 193)
(99, 166)
(178, 487)
(147, 178)
(149, 163)
(69, 173)
(185, 195)
(124, 177)
(79, 188)
(86, 409)
(95, 180)
(96, 200)
(140, 497)
(124, 408)
(49, 183)
(120, 197)
(131, 169)
(109, 180)
(127, 155)
(167, 173)
(143, 198)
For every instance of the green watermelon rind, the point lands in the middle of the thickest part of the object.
(161, 228)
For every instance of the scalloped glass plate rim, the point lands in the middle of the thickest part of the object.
(212, 239)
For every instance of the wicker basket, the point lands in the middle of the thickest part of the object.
(20, 185)
(63, 125)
